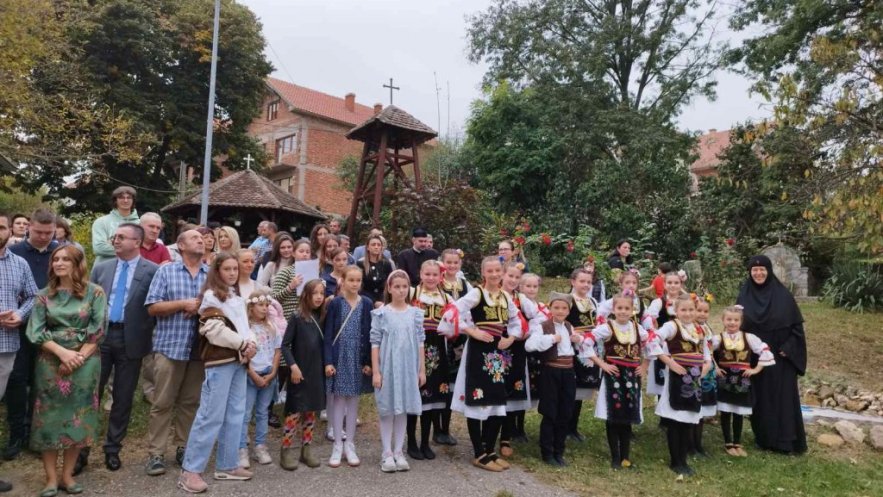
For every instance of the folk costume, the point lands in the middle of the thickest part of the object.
(734, 353)
(681, 402)
(619, 402)
(535, 365)
(558, 381)
(708, 403)
(660, 311)
(480, 389)
(583, 317)
(455, 289)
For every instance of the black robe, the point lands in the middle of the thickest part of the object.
(771, 313)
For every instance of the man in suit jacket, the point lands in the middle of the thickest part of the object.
(129, 337)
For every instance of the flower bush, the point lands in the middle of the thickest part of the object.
(723, 266)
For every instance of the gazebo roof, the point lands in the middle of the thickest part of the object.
(247, 189)
(401, 125)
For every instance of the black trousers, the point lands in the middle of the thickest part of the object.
(125, 381)
(557, 398)
(18, 393)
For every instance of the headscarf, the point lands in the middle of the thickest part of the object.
(768, 306)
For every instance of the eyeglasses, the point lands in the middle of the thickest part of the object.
(121, 238)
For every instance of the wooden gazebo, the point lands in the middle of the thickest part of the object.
(246, 198)
(388, 137)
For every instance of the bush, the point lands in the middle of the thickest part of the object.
(855, 286)
(723, 268)
(81, 232)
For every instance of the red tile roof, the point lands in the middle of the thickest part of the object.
(318, 103)
(708, 147)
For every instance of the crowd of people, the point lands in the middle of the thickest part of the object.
(216, 334)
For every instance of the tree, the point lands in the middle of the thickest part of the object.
(819, 62)
(609, 77)
(148, 63)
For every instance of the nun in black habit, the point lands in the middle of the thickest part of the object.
(771, 313)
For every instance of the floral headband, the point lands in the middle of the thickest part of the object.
(260, 299)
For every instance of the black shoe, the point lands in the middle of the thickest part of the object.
(112, 461)
(179, 456)
(551, 461)
(615, 465)
(445, 439)
(415, 453)
(273, 420)
(576, 436)
(561, 461)
(427, 452)
(521, 438)
(13, 449)
(82, 462)
(5, 486)
(156, 466)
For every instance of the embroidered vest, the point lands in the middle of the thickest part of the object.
(622, 349)
(733, 353)
(493, 318)
(432, 313)
(550, 357)
(683, 351)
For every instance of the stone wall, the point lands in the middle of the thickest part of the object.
(787, 267)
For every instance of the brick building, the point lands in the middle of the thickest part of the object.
(708, 147)
(303, 132)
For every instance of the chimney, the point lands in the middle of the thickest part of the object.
(378, 108)
(350, 99)
(712, 130)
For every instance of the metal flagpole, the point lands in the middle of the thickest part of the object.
(209, 127)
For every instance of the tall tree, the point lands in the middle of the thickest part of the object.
(611, 76)
(819, 62)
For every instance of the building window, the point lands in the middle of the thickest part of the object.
(284, 146)
(285, 183)
(272, 111)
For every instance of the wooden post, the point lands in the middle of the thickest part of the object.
(418, 184)
(357, 194)
(378, 179)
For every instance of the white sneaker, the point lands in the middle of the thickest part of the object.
(323, 416)
(243, 458)
(262, 454)
(388, 465)
(401, 463)
(336, 452)
(349, 450)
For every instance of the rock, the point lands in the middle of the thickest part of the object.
(823, 422)
(825, 391)
(849, 431)
(877, 437)
(857, 405)
(811, 399)
(841, 399)
(830, 440)
(829, 402)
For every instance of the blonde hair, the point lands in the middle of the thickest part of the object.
(527, 276)
(398, 274)
(260, 296)
(232, 234)
(734, 309)
(627, 296)
(684, 297)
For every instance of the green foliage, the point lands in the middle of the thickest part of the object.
(131, 79)
(723, 268)
(15, 201)
(856, 286)
(81, 232)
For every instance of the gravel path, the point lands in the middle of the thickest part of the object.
(451, 473)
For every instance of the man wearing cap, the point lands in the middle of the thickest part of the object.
(105, 226)
(411, 259)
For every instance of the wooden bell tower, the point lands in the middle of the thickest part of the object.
(391, 140)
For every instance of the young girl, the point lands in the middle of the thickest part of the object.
(302, 348)
(490, 320)
(326, 256)
(517, 381)
(659, 312)
(732, 352)
(261, 377)
(332, 279)
(530, 289)
(687, 360)
(280, 258)
(624, 360)
(375, 269)
(347, 361)
(397, 360)
(226, 343)
(436, 393)
(287, 280)
(709, 381)
(583, 317)
(628, 283)
(455, 285)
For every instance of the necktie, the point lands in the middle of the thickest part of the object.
(119, 297)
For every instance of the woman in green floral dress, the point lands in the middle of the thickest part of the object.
(67, 324)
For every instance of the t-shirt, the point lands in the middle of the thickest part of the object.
(267, 346)
(658, 285)
(157, 254)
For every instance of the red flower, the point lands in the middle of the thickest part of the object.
(692, 255)
(570, 246)
(504, 232)
(547, 240)
(731, 242)
(525, 227)
(519, 240)
(590, 259)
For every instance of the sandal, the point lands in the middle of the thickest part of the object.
(49, 492)
(740, 451)
(731, 450)
(506, 449)
(485, 462)
(74, 489)
(499, 461)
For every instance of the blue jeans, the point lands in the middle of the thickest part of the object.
(221, 409)
(259, 400)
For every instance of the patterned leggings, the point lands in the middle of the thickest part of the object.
(292, 422)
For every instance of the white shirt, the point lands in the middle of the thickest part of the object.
(540, 342)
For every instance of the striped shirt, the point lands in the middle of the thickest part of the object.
(17, 291)
(173, 335)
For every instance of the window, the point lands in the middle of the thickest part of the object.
(272, 111)
(284, 146)
(286, 183)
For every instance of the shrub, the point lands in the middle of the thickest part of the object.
(855, 286)
(81, 231)
(723, 268)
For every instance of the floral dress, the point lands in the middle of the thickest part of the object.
(66, 406)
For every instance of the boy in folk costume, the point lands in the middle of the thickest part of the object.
(556, 342)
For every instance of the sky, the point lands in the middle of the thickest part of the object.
(342, 46)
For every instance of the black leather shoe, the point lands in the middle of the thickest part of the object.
(13, 449)
(112, 461)
(561, 461)
(82, 462)
(427, 452)
(179, 456)
(5, 486)
(415, 453)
